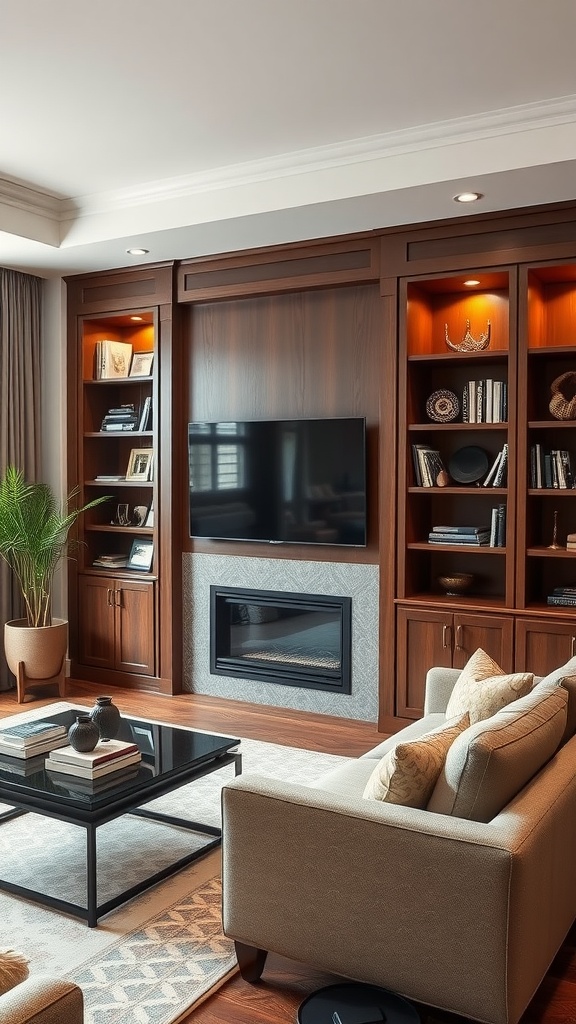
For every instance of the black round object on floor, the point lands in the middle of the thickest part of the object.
(468, 464)
(355, 1003)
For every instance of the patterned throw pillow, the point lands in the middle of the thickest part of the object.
(483, 688)
(13, 969)
(407, 774)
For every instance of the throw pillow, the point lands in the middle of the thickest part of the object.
(488, 765)
(13, 969)
(483, 688)
(407, 774)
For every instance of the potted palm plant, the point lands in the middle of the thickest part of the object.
(34, 538)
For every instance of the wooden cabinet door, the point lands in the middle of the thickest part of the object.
(96, 616)
(134, 627)
(493, 633)
(424, 640)
(543, 645)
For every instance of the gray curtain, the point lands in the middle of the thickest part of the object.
(20, 313)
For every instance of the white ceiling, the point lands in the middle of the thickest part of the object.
(196, 126)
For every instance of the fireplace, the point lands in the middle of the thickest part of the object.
(280, 637)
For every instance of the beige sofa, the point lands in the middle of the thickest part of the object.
(459, 914)
(41, 999)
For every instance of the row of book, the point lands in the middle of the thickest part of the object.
(550, 468)
(493, 536)
(126, 417)
(497, 475)
(485, 401)
(427, 465)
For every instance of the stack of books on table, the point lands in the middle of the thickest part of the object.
(29, 739)
(472, 536)
(563, 596)
(108, 756)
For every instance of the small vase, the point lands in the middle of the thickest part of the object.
(106, 716)
(83, 735)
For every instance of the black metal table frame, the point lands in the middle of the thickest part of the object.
(129, 803)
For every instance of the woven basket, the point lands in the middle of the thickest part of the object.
(563, 401)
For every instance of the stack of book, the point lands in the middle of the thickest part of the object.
(122, 417)
(29, 739)
(485, 401)
(428, 465)
(550, 468)
(111, 561)
(571, 542)
(106, 757)
(473, 536)
(563, 596)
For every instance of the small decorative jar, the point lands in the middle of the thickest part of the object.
(83, 734)
(106, 716)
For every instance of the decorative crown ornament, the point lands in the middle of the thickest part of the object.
(468, 343)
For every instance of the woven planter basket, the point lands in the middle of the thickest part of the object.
(563, 401)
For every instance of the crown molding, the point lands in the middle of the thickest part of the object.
(477, 127)
(527, 117)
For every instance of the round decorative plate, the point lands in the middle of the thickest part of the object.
(468, 465)
(442, 406)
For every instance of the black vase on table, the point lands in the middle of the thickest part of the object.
(106, 716)
(83, 734)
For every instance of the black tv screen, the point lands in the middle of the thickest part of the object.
(299, 481)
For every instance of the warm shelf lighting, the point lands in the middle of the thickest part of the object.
(469, 284)
(137, 252)
(468, 197)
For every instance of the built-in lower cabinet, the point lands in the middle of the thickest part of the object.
(118, 624)
(543, 644)
(427, 638)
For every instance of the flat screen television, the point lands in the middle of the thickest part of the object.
(300, 481)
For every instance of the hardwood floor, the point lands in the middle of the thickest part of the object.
(286, 983)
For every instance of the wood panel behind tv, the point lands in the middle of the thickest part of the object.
(297, 355)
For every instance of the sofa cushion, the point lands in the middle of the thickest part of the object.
(13, 969)
(407, 774)
(409, 732)
(565, 674)
(482, 688)
(494, 759)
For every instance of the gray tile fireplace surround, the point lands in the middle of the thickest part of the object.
(360, 582)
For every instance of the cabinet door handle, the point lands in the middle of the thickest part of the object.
(573, 646)
(118, 598)
(109, 593)
(458, 638)
(446, 638)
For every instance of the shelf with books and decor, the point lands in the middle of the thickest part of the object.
(457, 371)
(120, 331)
(546, 557)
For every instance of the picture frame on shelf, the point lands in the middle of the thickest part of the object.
(141, 365)
(140, 465)
(150, 517)
(141, 554)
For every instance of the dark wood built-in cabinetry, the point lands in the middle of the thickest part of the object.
(345, 326)
(121, 616)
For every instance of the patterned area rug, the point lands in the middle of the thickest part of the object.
(154, 958)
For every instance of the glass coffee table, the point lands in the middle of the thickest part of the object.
(171, 757)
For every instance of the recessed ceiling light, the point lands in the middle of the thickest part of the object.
(468, 197)
(141, 317)
(137, 252)
(469, 284)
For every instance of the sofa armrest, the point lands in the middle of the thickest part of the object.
(42, 999)
(439, 685)
(388, 895)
